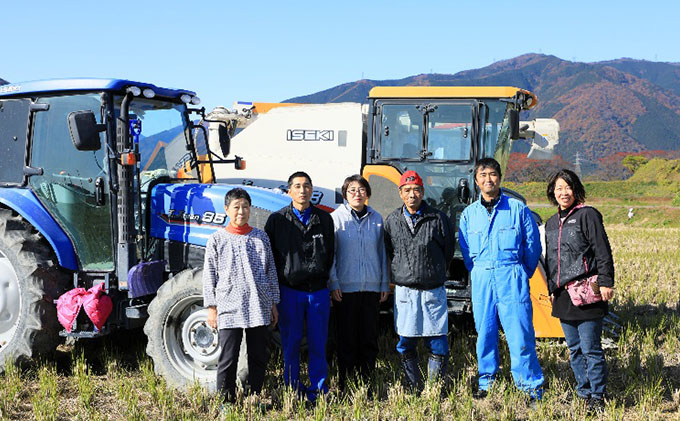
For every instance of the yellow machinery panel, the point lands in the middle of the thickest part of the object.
(545, 325)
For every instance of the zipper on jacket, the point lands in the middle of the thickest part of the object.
(559, 239)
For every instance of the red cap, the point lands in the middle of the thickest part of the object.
(410, 177)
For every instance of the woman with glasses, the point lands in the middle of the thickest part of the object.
(358, 281)
(577, 249)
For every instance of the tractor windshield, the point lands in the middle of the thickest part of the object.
(163, 139)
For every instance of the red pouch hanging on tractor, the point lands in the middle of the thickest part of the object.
(97, 305)
(68, 307)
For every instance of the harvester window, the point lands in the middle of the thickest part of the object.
(401, 132)
(449, 133)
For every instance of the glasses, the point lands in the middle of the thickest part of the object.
(354, 192)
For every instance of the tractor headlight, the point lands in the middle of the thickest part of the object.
(149, 93)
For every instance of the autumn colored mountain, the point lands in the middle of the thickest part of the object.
(603, 108)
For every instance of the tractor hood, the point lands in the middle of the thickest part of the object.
(190, 213)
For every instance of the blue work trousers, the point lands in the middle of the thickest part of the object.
(586, 356)
(295, 308)
(500, 294)
(437, 345)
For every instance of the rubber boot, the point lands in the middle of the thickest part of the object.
(436, 367)
(409, 361)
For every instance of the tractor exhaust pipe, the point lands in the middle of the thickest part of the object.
(126, 252)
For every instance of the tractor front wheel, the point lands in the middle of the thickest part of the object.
(183, 347)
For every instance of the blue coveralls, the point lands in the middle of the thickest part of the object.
(501, 250)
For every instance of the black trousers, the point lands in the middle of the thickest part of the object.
(356, 329)
(257, 341)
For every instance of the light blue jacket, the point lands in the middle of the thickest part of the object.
(360, 262)
(508, 235)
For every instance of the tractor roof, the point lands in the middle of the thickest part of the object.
(83, 84)
(462, 92)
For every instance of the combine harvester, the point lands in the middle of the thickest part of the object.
(440, 132)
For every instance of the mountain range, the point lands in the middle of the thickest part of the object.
(603, 108)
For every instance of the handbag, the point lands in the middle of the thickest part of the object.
(584, 291)
(581, 291)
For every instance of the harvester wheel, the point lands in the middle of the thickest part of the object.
(29, 282)
(183, 347)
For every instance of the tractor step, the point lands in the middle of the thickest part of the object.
(84, 334)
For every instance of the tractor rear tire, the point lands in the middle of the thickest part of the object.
(29, 282)
(183, 347)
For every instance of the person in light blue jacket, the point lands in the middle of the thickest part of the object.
(501, 246)
(358, 280)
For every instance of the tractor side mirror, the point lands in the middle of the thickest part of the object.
(84, 130)
(218, 134)
(513, 118)
(463, 190)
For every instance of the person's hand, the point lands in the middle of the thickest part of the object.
(275, 315)
(212, 317)
(552, 299)
(383, 296)
(606, 293)
(337, 295)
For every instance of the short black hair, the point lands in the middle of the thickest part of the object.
(359, 179)
(572, 181)
(488, 163)
(299, 174)
(236, 193)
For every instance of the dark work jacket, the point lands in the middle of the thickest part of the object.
(420, 259)
(584, 244)
(303, 254)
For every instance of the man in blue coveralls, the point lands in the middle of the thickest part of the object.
(500, 243)
(419, 241)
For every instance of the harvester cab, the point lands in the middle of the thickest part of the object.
(106, 187)
(440, 132)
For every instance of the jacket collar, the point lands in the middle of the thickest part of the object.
(313, 217)
(501, 198)
(346, 208)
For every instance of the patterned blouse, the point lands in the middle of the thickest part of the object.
(239, 277)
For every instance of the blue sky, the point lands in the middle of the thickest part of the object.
(271, 51)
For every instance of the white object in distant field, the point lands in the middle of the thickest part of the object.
(630, 213)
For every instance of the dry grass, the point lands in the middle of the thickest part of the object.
(113, 379)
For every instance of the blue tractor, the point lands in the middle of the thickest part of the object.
(106, 181)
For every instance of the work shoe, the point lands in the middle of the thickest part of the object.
(480, 394)
(409, 362)
(595, 405)
(436, 367)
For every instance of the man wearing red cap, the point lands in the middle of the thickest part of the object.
(420, 242)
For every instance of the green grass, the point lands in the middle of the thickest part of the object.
(656, 204)
(113, 379)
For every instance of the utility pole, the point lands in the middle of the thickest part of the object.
(577, 164)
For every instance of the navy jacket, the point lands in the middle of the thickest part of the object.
(303, 254)
(421, 258)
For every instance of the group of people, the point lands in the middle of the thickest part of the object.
(307, 259)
